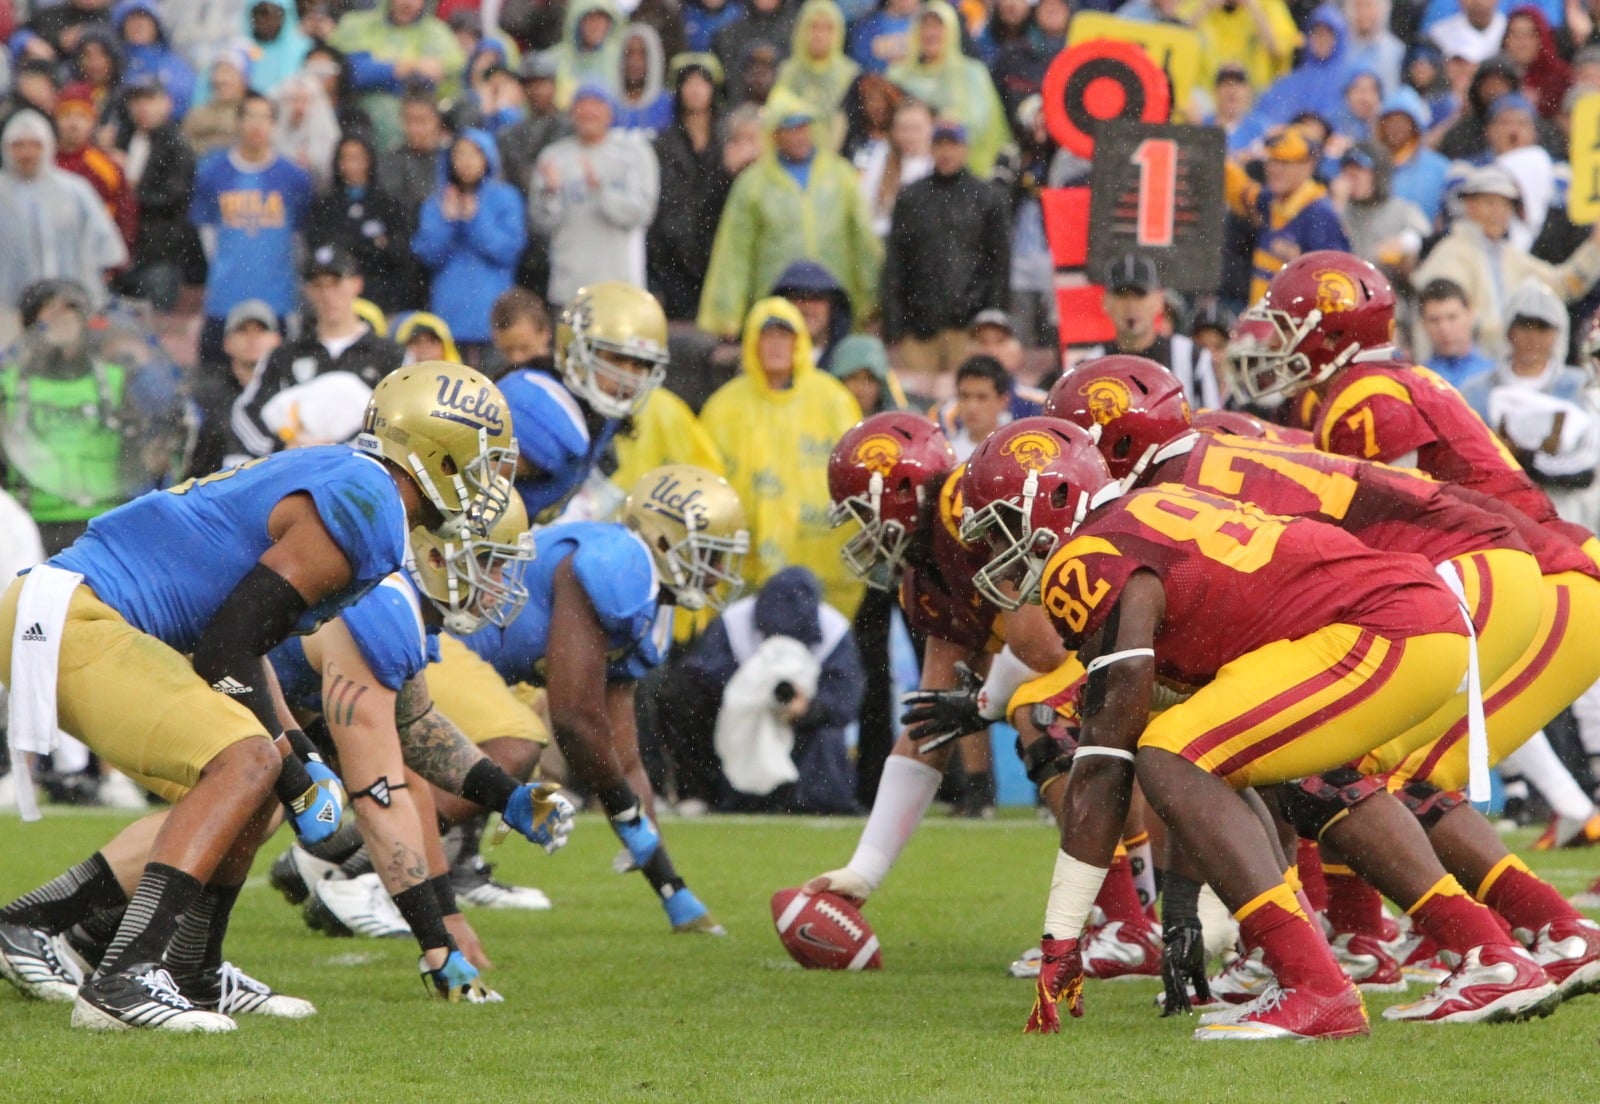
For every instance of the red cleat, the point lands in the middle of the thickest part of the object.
(1367, 962)
(1493, 984)
(1294, 1014)
(1123, 949)
(1569, 952)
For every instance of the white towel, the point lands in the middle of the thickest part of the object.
(35, 660)
(1477, 727)
(752, 739)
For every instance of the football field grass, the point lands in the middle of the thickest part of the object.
(603, 1004)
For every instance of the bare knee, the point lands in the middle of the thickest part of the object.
(250, 765)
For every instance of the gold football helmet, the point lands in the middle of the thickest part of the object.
(471, 580)
(611, 346)
(449, 428)
(694, 526)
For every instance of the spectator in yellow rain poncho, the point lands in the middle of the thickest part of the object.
(818, 70)
(775, 425)
(957, 87)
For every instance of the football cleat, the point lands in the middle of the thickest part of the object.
(295, 871)
(1569, 832)
(1589, 898)
(141, 996)
(1244, 979)
(1026, 964)
(1293, 1014)
(355, 906)
(233, 992)
(31, 960)
(689, 916)
(1493, 984)
(1123, 949)
(475, 885)
(1569, 952)
(1366, 961)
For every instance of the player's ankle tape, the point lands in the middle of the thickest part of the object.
(617, 800)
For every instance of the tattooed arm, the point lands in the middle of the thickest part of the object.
(433, 746)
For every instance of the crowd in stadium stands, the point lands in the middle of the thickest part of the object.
(223, 221)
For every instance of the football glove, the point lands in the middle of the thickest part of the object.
(539, 812)
(318, 811)
(1060, 978)
(1183, 966)
(457, 981)
(935, 717)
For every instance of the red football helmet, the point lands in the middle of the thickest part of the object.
(1130, 405)
(882, 473)
(1321, 311)
(1026, 488)
(1235, 423)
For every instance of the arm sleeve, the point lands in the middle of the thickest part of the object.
(259, 613)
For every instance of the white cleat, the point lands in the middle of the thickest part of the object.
(30, 960)
(1494, 984)
(475, 885)
(241, 994)
(142, 997)
(1026, 965)
(355, 906)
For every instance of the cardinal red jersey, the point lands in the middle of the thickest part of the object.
(1385, 507)
(1556, 553)
(936, 591)
(1236, 579)
(1382, 411)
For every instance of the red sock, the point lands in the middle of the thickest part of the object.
(1353, 905)
(1291, 945)
(1524, 899)
(1119, 895)
(1455, 921)
(1309, 860)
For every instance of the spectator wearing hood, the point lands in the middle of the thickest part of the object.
(52, 223)
(818, 71)
(1257, 34)
(307, 131)
(1371, 44)
(1531, 45)
(1357, 114)
(775, 424)
(423, 336)
(590, 51)
(493, 96)
(1474, 32)
(1478, 255)
(861, 363)
(1382, 227)
(947, 258)
(1536, 402)
(1290, 213)
(696, 174)
(213, 122)
(148, 54)
(395, 44)
(767, 23)
(1465, 140)
(160, 167)
(1419, 173)
(594, 194)
(1323, 69)
(643, 102)
(794, 202)
(1424, 73)
(822, 301)
(97, 62)
(61, 25)
(355, 214)
(957, 87)
(1513, 144)
(723, 668)
(882, 37)
(469, 236)
(543, 122)
(279, 47)
(702, 19)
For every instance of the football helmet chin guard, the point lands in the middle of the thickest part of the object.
(694, 526)
(1027, 488)
(1321, 311)
(473, 581)
(881, 475)
(606, 323)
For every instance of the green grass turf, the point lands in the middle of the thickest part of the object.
(602, 1003)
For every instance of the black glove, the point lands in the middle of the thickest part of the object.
(935, 717)
(1183, 964)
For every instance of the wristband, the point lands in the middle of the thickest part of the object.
(420, 907)
(445, 890)
(293, 780)
(488, 784)
(1072, 892)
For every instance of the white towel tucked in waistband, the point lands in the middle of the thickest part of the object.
(1477, 726)
(35, 660)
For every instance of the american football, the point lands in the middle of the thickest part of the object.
(823, 931)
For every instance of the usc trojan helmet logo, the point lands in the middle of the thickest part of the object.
(1032, 450)
(1107, 397)
(1336, 292)
(878, 454)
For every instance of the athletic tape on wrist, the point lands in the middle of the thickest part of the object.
(1072, 892)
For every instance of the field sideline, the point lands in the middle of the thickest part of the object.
(604, 1004)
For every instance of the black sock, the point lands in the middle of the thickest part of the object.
(356, 865)
(470, 840)
(661, 874)
(620, 801)
(164, 894)
(92, 935)
(67, 898)
(196, 949)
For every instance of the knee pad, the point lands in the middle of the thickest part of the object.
(1314, 803)
(1428, 803)
(1047, 758)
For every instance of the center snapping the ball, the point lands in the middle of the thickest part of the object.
(823, 931)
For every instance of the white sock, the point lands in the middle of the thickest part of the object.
(1142, 861)
(1537, 761)
(904, 794)
(1587, 710)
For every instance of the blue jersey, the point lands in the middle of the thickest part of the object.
(256, 213)
(616, 572)
(388, 629)
(553, 435)
(167, 560)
